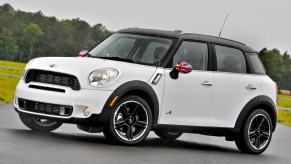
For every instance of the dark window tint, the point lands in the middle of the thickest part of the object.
(256, 63)
(194, 53)
(230, 60)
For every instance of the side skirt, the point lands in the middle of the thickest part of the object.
(212, 131)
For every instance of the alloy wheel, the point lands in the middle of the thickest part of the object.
(259, 131)
(130, 120)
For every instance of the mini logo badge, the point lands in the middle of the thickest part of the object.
(52, 65)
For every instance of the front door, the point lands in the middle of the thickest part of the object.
(187, 99)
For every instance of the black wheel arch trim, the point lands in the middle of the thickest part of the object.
(261, 101)
(138, 88)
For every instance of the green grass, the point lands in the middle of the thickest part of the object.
(284, 103)
(285, 96)
(284, 117)
(12, 64)
(7, 88)
(8, 83)
(11, 71)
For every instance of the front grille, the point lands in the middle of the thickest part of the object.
(55, 78)
(45, 108)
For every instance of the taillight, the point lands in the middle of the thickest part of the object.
(276, 92)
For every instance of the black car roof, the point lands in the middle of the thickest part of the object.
(190, 36)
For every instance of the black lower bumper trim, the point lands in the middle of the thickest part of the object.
(93, 120)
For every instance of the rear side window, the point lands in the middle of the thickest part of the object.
(230, 60)
(258, 67)
(194, 53)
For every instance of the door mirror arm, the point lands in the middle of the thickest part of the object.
(174, 74)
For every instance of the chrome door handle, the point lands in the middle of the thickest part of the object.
(251, 87)
(206, 83)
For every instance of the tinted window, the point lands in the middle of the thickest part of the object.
(230, 60)
(194, 53)
(258, 67)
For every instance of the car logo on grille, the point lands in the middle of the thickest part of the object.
(52, 65)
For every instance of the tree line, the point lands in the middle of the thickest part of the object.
(278, 66)
(26, 35)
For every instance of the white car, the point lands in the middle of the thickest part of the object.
(141, 80)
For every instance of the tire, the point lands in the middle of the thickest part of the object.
(130, 121)
(256, 133)
(38, 124)
(164, 134)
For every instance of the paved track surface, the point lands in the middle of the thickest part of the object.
(20, 145)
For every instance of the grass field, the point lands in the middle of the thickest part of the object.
(12, 64)
(284, 117)
(285, 96)
(8, 84)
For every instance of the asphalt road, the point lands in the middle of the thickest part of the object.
(20, 145)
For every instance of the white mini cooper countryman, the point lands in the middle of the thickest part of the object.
(141, 80)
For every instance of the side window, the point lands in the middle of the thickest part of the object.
(194, 53)
(256, 63)
(230, 60)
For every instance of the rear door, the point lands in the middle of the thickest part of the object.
(234, 86)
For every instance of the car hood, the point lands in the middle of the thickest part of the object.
(81, 67)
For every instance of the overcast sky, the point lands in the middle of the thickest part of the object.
(257, 23)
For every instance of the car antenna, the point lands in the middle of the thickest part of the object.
(223, 25)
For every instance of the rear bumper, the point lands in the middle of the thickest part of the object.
(78, 100)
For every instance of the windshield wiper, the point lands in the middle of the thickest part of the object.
(118, 59)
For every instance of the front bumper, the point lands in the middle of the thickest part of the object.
(78, 100)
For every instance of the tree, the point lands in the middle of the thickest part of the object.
(7, 41)
(31, 34)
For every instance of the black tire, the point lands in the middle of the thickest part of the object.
(256, 133)
(37, 124)
(164, 134)
(130, 121)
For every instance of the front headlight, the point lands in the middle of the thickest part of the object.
(102, 77)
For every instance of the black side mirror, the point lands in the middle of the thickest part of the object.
(182, 67)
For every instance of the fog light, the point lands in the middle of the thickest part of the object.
(87, 111)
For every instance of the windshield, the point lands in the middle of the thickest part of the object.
(132, 48)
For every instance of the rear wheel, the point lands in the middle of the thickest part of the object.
(256, 134)
(39, 124)
(164, 134)
(130, 122)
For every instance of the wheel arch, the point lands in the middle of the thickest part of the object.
(138, 88)
(259, 102)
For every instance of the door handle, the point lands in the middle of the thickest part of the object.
(251, 87)
(206, 83)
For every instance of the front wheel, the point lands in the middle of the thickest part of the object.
(39, 124)
(256, 134)
(164, 134)
(130, 121)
